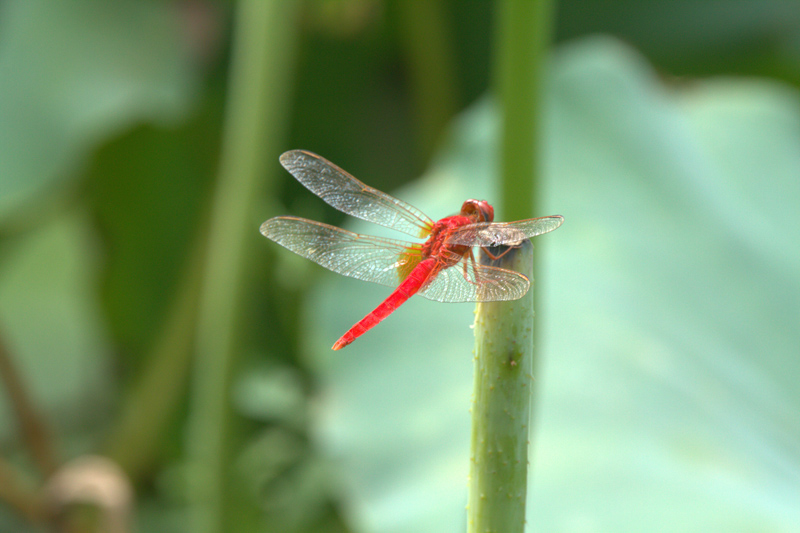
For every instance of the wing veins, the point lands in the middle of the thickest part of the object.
(344, 192)
(488, 234)
(482, 283)
(363, 257)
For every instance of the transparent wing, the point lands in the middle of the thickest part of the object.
(344, 192)
(363, 257)
(487, 234)
(476, 283)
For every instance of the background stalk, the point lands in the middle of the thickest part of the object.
(255, 110)
(501, 406)
(521, 46)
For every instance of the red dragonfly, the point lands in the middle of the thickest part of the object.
(424, 268)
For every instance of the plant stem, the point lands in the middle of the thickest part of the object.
(503, 389)
(501, 406)
(255, 111)
(523, 35)
(33, 427)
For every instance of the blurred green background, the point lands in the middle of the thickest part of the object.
(144, 319)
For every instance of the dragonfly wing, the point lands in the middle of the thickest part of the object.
(384, 261)
(488, 234)
(476, 283)
(347, 194)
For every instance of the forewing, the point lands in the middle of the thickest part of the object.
(476, 283)
(488, 234)
(347, 194)
(384, 261)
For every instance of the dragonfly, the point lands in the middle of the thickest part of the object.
(442, 268)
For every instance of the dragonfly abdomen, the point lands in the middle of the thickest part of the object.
(408, 288)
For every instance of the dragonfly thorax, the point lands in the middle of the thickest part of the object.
(437, 246)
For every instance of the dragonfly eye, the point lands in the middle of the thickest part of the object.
(479, 209)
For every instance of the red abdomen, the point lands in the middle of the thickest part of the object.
(408, 288)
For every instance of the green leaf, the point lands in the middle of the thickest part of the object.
(52, 325)
(699, 37)
(146, 189)
(72, 73)
(667, 319)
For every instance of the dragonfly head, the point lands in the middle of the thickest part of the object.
(480, 210)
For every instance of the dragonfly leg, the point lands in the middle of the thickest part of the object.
(498, 256)
(467, 260)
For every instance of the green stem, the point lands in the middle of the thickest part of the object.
(523, 35)
(256, 105)
(504, 363)
(501, 407)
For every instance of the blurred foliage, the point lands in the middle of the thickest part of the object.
(676, 265)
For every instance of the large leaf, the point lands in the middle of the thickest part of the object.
(668, 314)
(72, 73)
(696, 36)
